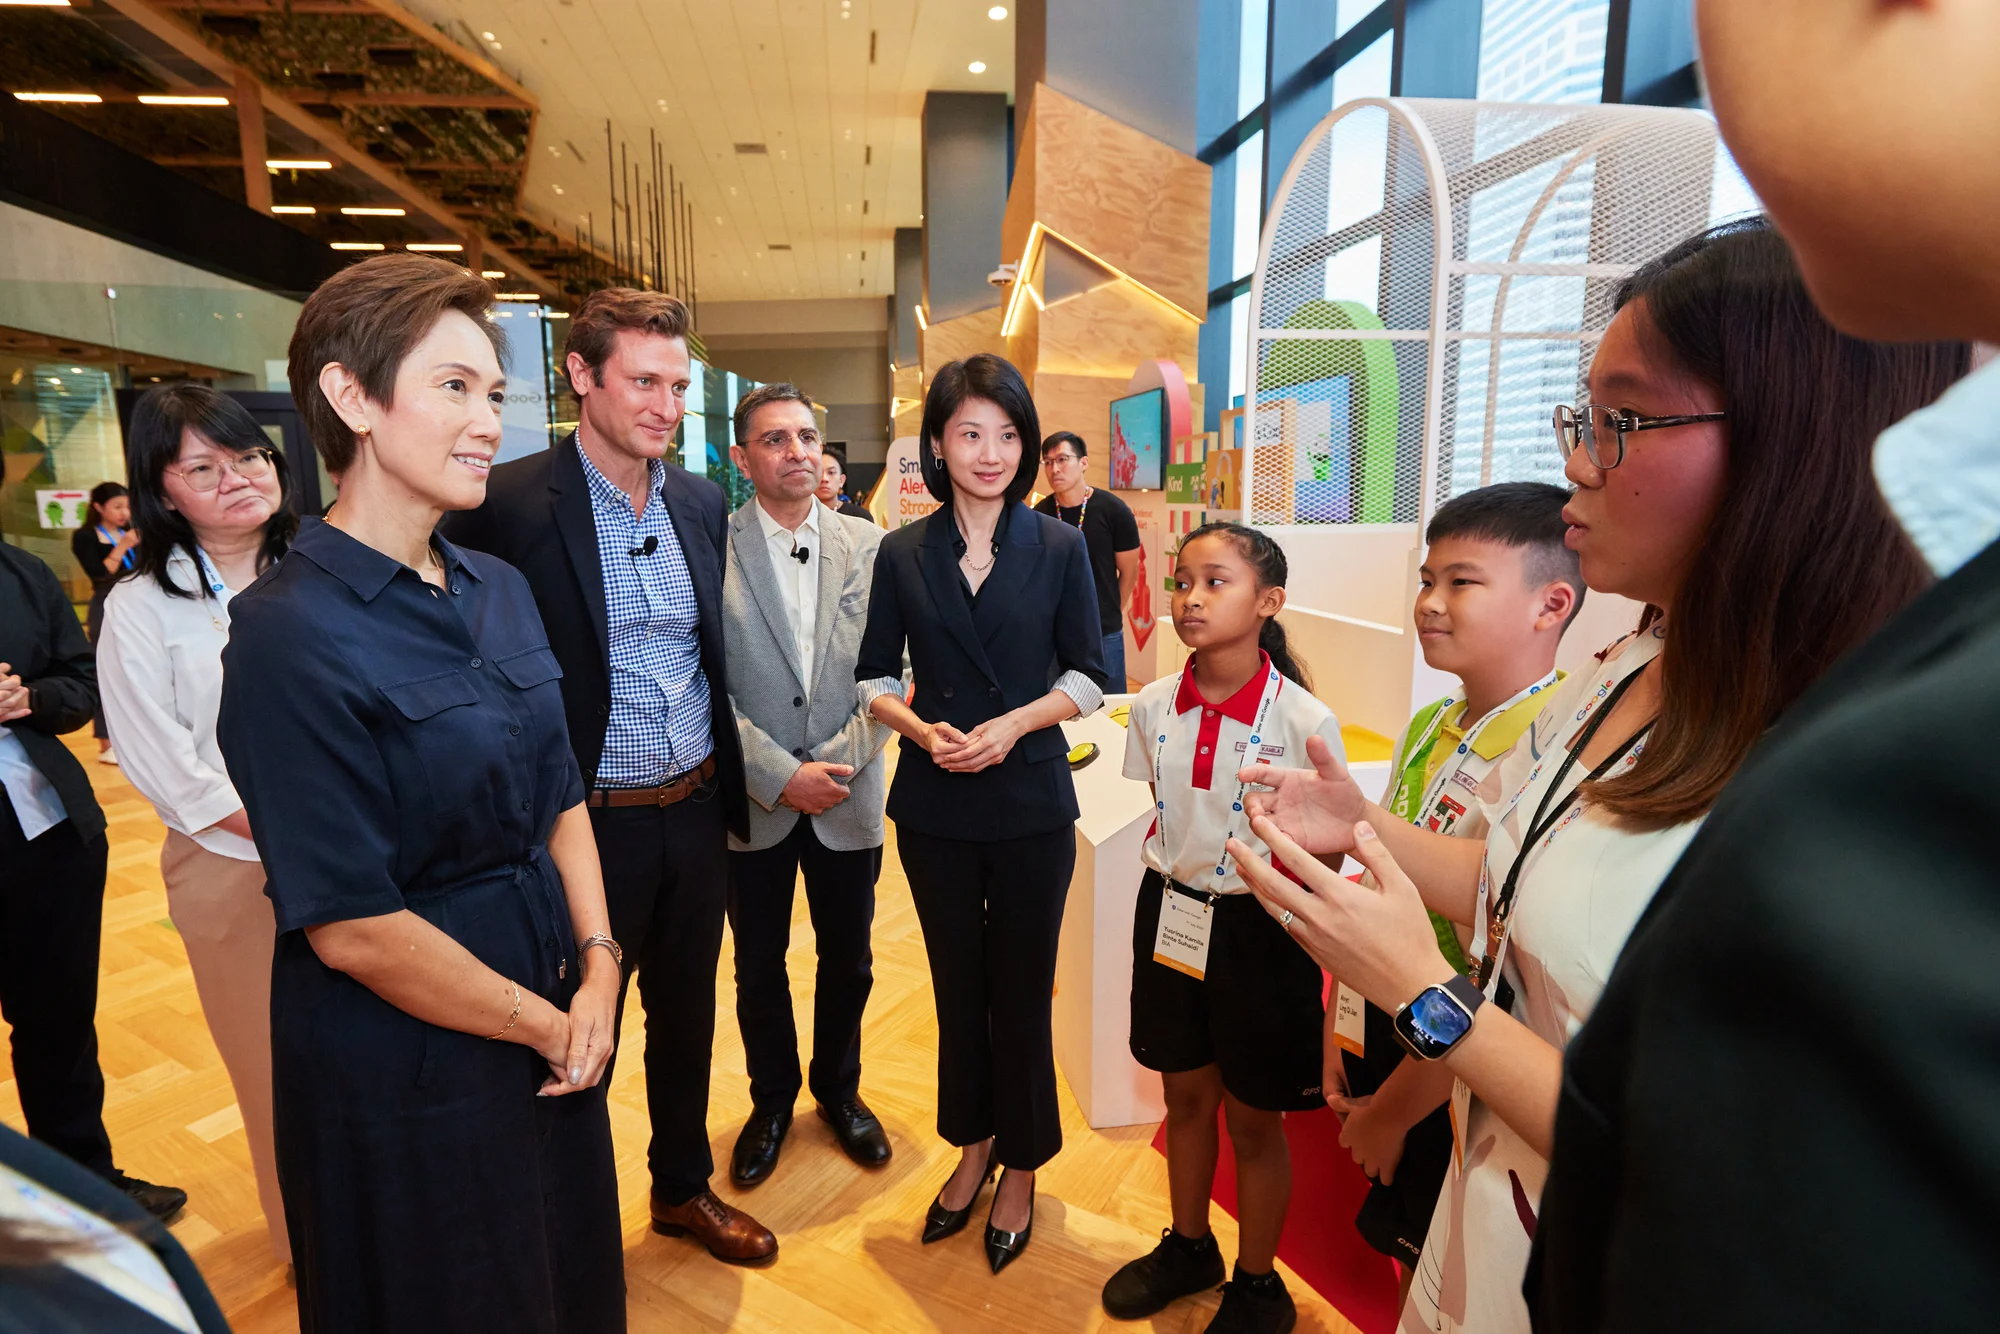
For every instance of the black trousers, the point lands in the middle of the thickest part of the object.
(665, 885)
(840, 895)
(992, 913)
(51, 922)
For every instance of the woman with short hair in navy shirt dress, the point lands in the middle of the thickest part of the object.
(442, 992)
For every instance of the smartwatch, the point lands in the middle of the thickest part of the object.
(1438, 1018)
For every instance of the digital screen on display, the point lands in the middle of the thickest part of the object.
(1139, 441)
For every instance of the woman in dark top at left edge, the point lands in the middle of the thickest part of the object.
(442, 991)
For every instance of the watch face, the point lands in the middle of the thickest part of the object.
(1433, 1023)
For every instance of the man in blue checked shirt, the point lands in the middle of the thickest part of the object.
(625, 555)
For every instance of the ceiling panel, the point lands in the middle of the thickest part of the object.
(842, 167)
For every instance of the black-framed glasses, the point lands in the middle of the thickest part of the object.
(250, 465)
(1600, 431)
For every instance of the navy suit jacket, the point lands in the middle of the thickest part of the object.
(537, 518)
(971, 663)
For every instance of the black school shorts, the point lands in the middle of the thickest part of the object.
(1256, 1015)
(1395, 1218)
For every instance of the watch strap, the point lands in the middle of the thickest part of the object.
(1467, 993)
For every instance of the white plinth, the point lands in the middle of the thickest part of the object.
(1093, 1001)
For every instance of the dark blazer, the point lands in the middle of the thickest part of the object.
(537, 518)
(42, 643)
(57, 1300)
(1782, 1112)
(1037, 606)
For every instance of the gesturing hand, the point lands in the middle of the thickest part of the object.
(1375, 938)
(13, 696)
(1316, 807)
(813, 789)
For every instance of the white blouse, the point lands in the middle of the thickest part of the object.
(159, 668)
(1583, 888)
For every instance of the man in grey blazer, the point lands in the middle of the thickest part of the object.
(794, 604)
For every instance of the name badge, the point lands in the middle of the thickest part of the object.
(1181, 943)
(1350, 1021)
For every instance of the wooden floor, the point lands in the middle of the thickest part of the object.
(849, 1258)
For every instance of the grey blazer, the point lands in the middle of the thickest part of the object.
(764, 682)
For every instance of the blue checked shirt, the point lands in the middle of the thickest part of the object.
(659, 725)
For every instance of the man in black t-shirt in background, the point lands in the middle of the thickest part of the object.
(1109, 531)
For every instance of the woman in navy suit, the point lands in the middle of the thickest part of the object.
(986, 593)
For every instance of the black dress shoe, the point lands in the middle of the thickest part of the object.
(858, 1131)
(756, 1154)
(1003, 1248)
(162, 1202)
(941, 1222)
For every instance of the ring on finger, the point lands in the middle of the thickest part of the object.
(1285, 919)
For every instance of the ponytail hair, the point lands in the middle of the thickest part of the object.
(1267, 559)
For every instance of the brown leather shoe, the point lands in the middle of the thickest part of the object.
(730, 1234)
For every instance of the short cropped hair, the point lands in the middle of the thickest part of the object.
(995, 380)
(777, 392)
(368, 317)
(1061, 438)
(594, 327)
(1525, 515)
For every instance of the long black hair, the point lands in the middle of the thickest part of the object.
(995, 380)
(1267, 560)
(159, 420)
(101, 495)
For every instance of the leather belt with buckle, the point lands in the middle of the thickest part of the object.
(666, 794)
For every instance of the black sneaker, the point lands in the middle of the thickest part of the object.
(1176, 1268)
(1254, 1304)
(162, 1202)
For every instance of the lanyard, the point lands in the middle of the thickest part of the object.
(1272, 683)
(125, 563)
(1087, 494)
(1465, 745)
(1499, 916)
(216, 587)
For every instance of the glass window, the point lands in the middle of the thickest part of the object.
(1248, 220)
(1250, 56)
(1543, 50)
(1239, 348)
(1368, 74)
(1351, 12)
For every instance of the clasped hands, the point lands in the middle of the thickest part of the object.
(1376, 938)
(14, 703)
(815, 787)
(969, 752)
(578, 1043)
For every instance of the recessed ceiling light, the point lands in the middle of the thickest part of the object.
(997, 13)
(448, 247)
(375, 212)
(298, 164)
(293, 208)
(517, 296)
(487, 35)
(76, 370)
(53, 4)
(181, 100)
(557, 188)
(359, 245)
(977, 67)
(492, 273)
(57, 97)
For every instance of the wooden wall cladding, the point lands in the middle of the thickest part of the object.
(907, 385)
(1129, 199)
(955, 340)
(1111, 330)
(1081, 403)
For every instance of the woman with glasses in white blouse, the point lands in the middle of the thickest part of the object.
(212, 504)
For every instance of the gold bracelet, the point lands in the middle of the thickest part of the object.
(513, 1018)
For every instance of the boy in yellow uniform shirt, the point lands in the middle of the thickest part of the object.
(1498, 589)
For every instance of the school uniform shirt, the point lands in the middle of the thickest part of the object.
(159, 668)
(1582, 889)
(1206, 743)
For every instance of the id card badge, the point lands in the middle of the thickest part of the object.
(1181, 943)
(1461, 1113)
(1350, 1021)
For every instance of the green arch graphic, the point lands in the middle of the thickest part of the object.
(1369, 366)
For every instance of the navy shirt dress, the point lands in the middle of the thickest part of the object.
(400, 747)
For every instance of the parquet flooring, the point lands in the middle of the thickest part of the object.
(849, 1258)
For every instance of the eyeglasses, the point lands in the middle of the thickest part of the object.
(249, 465)
(1600, 431)
(809, 438)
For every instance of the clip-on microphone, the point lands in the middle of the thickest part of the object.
(802, 554)
(652, 545)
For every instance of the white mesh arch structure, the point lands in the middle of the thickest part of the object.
(1433, 278)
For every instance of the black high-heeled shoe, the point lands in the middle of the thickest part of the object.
(1003, 1248)
(941, 1222)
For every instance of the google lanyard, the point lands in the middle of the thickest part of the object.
(1436, 785)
